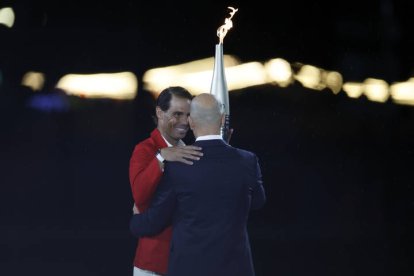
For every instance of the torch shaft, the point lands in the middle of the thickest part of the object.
(219, 88)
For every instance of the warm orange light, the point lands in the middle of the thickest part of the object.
(34, 80)
(403, 92)
(279, 71)
(376, 90)
(228, 24)
(7, 17)
(121, 86)
(353, 89)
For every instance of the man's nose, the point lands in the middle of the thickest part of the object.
(184, 120)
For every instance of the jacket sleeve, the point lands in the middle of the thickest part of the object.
(159, 214)
(257, 189)
(144, 174)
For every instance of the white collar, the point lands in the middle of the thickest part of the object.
(209, 137)
(180, 142)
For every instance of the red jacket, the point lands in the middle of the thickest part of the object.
(144, 174)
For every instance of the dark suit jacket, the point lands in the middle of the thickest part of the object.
(208, 205)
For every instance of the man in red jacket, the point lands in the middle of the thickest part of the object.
(146, 168)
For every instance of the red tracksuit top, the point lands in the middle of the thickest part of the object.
(144, 175)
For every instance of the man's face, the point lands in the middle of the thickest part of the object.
(173, 123)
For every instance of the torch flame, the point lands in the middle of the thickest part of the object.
(228, 24)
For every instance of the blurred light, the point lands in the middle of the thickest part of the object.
(376, 90)
(195, 75)
(34, 80)
(279, 71)
(333, 80)
(353, 89)
(122, 86)
(403, 92)
(244, 75)
(56, 101)
(310, 76)
(7, 17)
(237, 77)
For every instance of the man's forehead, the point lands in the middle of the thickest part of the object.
(179, 103)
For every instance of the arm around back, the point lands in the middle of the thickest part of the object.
(144, 173)
(159, 214)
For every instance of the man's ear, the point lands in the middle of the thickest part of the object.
(158, 112)
(223, 119)
(190, 122)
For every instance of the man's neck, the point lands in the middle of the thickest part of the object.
(209, 137)
(205, 133)
(170, 142)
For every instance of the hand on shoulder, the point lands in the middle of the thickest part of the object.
(183, 154)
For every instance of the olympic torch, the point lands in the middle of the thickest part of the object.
(219, 83)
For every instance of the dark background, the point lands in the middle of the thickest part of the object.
(337, 171)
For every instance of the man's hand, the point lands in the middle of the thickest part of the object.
(135, 210)
(182, 154)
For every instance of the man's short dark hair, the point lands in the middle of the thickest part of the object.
(164, 99)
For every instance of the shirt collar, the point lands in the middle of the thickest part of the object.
(209, 137)
(180, 142)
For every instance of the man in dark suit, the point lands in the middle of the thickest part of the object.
(207, 203)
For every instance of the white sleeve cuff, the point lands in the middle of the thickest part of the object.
(159, 157)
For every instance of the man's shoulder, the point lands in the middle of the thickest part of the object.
(147, 142)
(154, 139)
(243, 152)
(151, 143)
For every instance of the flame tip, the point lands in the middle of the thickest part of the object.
(228, 24)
